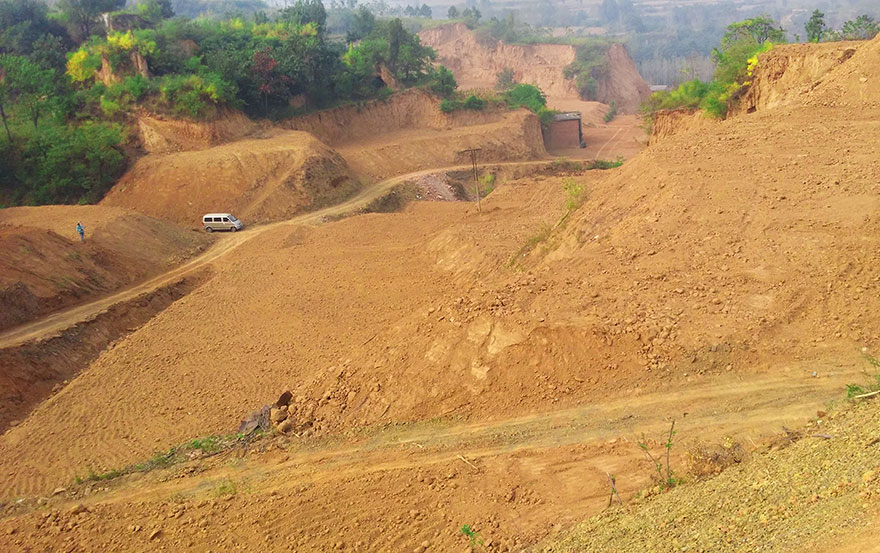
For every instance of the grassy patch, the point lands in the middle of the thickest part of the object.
(531, 244)
(873, 385)
(203, 447)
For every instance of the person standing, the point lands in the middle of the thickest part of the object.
(81, 230)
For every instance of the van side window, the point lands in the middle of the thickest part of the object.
(226, 219)
(216, 219)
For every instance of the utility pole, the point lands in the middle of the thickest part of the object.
(473, 154)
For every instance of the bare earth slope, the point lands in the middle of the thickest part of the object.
(408, 132)
(451, 367)
(44, 267)
(258, 179)
(476, 66)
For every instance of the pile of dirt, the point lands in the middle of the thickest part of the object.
(45, 267)
(161, 135)
(258, 180)
(853, 84)
(787, 72)
(476, 65)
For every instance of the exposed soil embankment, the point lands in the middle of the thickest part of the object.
(476, 65)
(260, 179)
(516, 135)
(32, 372)
(787, 72)
(671, 122)
(45, 267)
(853, 84)
(413, 109)
(160, 135)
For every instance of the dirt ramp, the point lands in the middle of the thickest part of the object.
(45, 267)
(788, 72)
(259, 180)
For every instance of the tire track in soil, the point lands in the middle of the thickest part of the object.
(53, 324)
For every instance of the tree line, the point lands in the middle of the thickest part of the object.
(72, 77)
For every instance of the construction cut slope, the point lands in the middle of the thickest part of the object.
(258, 179)
(789, 71)
(44, 266)
(476, 66)
(408, 132)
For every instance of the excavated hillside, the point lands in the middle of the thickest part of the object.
(788, 72)
(262, 172)
(44, 266)
(408, 132)
(450, 366)
(476, 65)
(258, 179)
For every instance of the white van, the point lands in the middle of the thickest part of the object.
(221, 221)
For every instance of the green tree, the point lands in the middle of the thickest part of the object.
(362, 24)
(26, 85)
(452, 13)
(23, 23)
(758, 30)
(861, 28)
(82, 14)
(610, 12)
(815, 27)
(306, 11)
(444, 82)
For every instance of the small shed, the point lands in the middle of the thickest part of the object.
(566, 131)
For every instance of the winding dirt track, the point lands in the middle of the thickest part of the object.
(57, 322)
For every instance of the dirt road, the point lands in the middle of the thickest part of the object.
(517, 481)
(52, 324)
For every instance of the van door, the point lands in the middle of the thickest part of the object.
(226, 223)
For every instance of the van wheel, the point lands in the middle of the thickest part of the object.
(209, 229)
(233, 229)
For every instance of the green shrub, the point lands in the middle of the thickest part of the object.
(474, 103)
(526, 95)
(448, 105)
(612, 112)
(136, 86)
(443, 82)
(194, 95)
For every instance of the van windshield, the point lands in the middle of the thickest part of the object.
(232, 218)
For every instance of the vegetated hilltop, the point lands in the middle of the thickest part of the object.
(44, 266)
(608, 75)
(73, 95)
